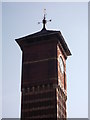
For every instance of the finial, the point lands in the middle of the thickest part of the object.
(44, 21)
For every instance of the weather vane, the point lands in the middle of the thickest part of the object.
(44, 21)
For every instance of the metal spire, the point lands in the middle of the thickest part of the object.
(44, 21)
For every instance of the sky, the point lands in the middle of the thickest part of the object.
(0, 62)
(21, 19)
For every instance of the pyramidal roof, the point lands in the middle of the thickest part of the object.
(44, 33)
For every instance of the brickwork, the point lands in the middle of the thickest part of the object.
(61, 77)
(39, 102)
(39, 64)
(43, 87)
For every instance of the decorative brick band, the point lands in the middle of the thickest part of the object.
(29, 62)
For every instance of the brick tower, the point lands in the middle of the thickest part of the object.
(43, 84)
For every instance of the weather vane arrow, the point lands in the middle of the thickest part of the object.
(44, 21)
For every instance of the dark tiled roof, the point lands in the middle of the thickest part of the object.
(45, 32)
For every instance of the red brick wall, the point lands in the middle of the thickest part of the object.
(39, 63)
(61, 76)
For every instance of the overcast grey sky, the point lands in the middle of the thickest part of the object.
(20, 19)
